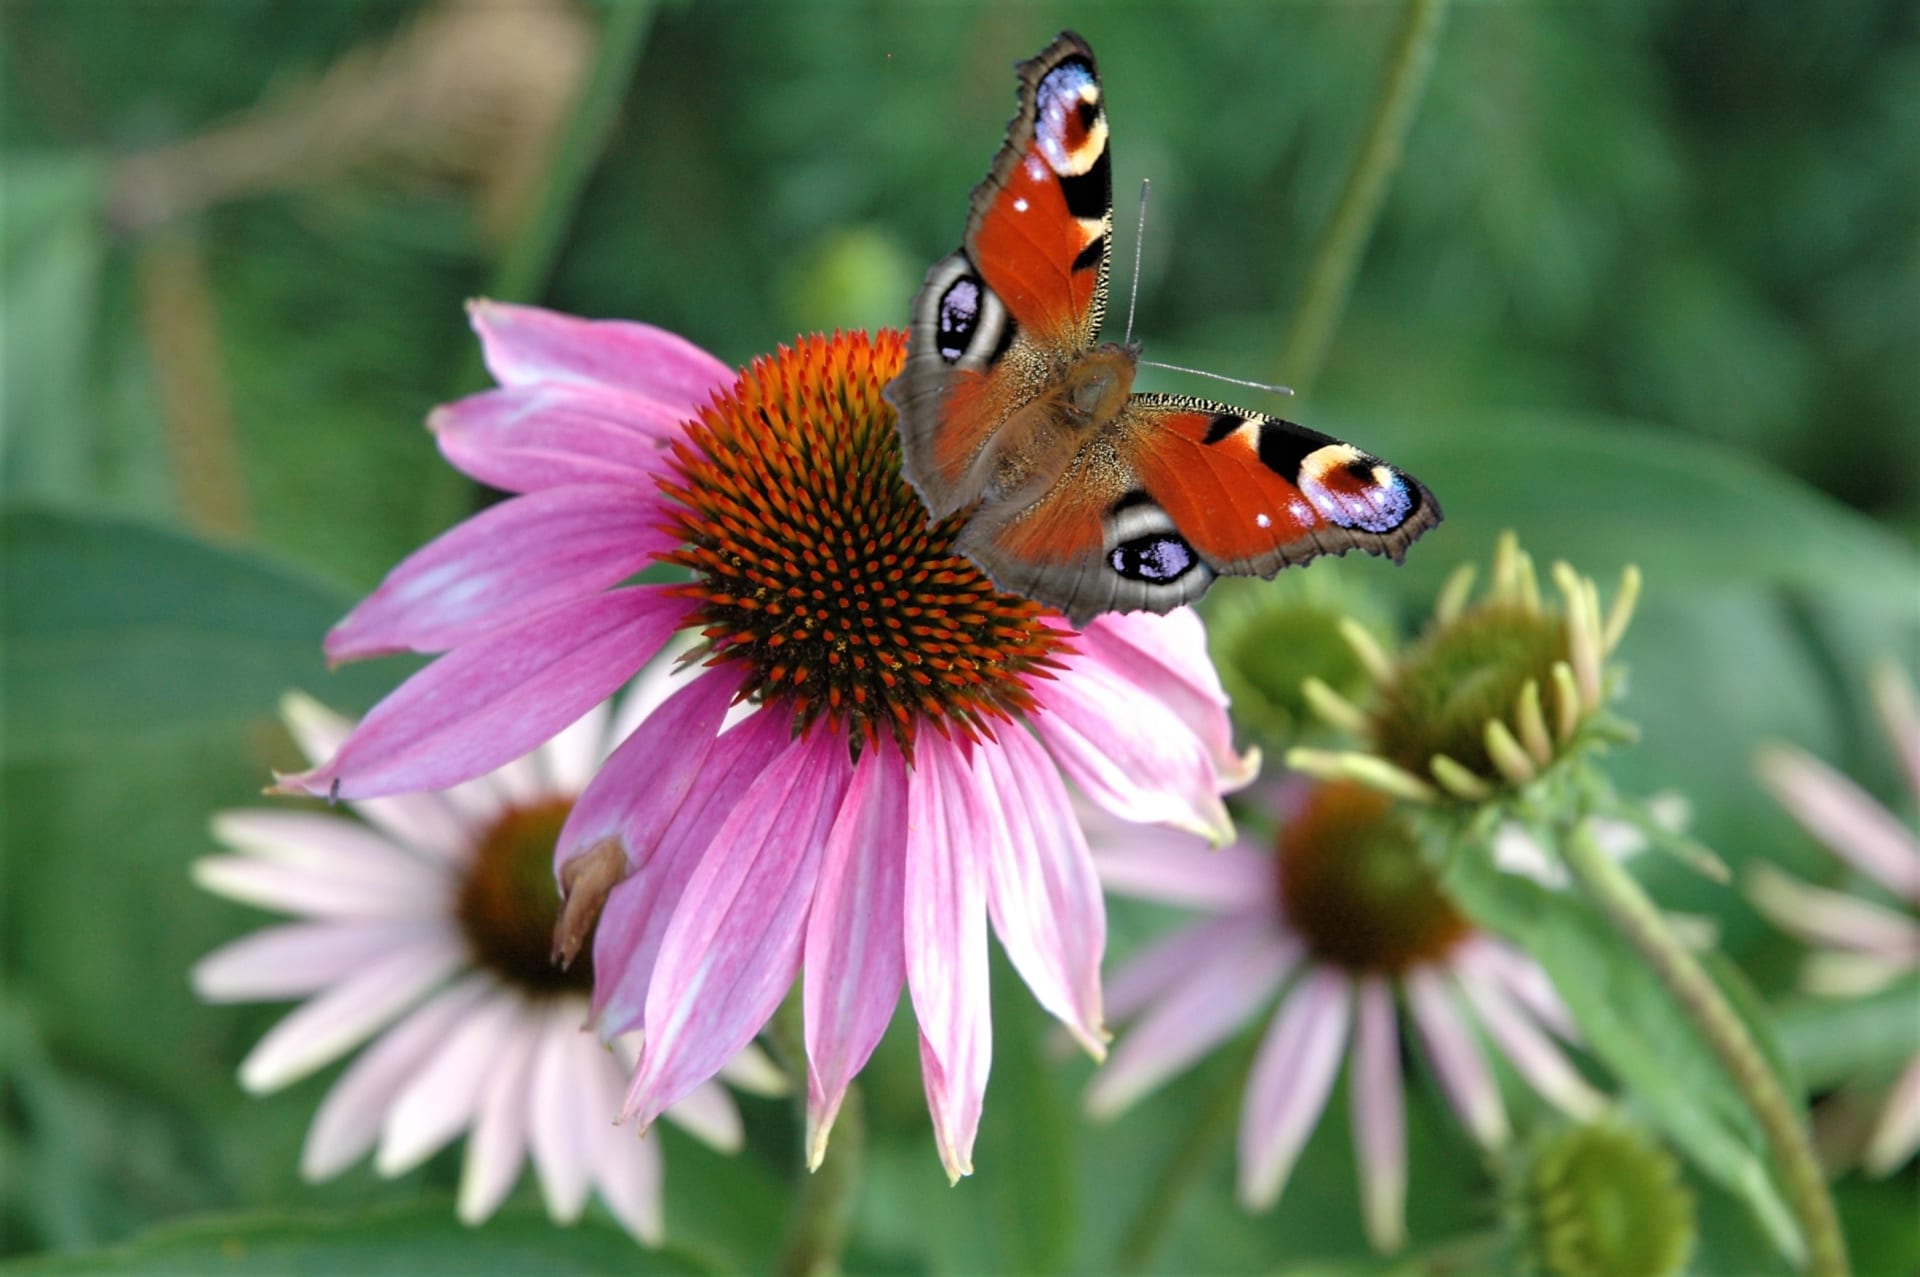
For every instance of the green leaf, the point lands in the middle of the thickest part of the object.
(1833, 1040)
(415, 1239)
(112, 629)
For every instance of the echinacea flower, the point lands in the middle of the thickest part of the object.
(1491, 698)
(891, 780)
(1342, 925)
(1861, 943)
(426, 927)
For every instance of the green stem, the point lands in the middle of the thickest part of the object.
(1337, 259)
(520, 273)
(1187, 1165)
(1639, 921)
(821, 1218)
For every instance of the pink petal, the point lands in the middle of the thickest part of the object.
(294, 959)
(1166, 657)
(1486, 958)
(1845, 818)
(525, 344)
(563, 1131)
(1169, 960)
(1173, 868)
(550, 435)
(1130, 754)
(498, 1143)
(855, 950)
(1457, 1061)
(1379, 1116)
(627, 940)
(446, 1092)
(946, 945)
(332, 1024)
(351, 1115)
(643, 785)
(1291, 1078)
(733, 948)
(1533, 1054)
(1896, 1135)
(503, 565)
(489, 701)
(1823, 916)
(1042, 893)
(1198, 1014)
(425, 823)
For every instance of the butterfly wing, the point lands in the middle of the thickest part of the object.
(1025, 293)
(1176, 491)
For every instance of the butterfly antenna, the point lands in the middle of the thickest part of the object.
(1139, 239)
(1237, 381)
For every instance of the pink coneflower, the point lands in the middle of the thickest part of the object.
(426, 926)
(895, 781)
(1343, 924)
(1861, 944)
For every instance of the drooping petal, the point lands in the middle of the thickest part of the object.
(1532, 1053)
(628, 1170)
(1845, 818)
(490, 701)
(626, 943)
(421, 822)
(351, 1115)
(1379, 1116)
(1170, 960)
(1131, 755)
(1165, 656)
(1458, 1063)
(1179, 869)
(1042, 893)
(1483, 957)
(1218, 995)
(525, 345)
(707, 1113)
(497, 1144)
(562, 1129)
(855, 960)
(322, 1030)
(1822, 916)
(446, 1091)
(294, 959)
(946, 945)
(549, 435)
(733, 947)
(503, 565)
(1896, 1135)
(1292, 1075)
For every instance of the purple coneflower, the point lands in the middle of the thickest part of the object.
(1861, 944)
(1342, 925)
(896, 781)
(426, 927)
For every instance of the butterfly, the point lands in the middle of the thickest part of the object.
(1082, 495)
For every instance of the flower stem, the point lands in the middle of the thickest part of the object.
(1337, 259)
(1630, 910)
(520, 273)
(821, 1217)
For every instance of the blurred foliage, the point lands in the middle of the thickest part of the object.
(1647, 287)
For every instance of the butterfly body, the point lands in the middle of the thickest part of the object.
(1082, 494)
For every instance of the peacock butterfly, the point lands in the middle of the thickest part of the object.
(1083, 495)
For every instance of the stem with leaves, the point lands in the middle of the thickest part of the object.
(1616, 892)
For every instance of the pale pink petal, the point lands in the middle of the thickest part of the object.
(321, 1031)
(1212, 1001)
(1292, 1074)
(563, 1131)
(1178, 869)
(946, 945)
(1169, 960)
(754, 1072)
(1830, 973)
(1532, 1053)
(627, 939)
(643, 785)
(425, 823)
(1820, 915)
(672, 668)
(502, 566)
(1379, 1116)
(1896, 1135)
(1042, 893)
(1483, 957)
(525, 344)
(1131, 755)
(708, 1114)
(446, 1091)
(1893, 696)
(733, 947)
(488, 702)
(334, 848)
(1457, 1060)
(318, 891)
(497, 1144)
(294, 959)
(629, 1173)
(356, 1106)
(1845, 818)
(567, 762)
(550, 435)
(855, 959)
(1165, 656)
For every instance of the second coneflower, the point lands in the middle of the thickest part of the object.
(892, 777)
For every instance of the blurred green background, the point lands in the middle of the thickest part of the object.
(1647, 289)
